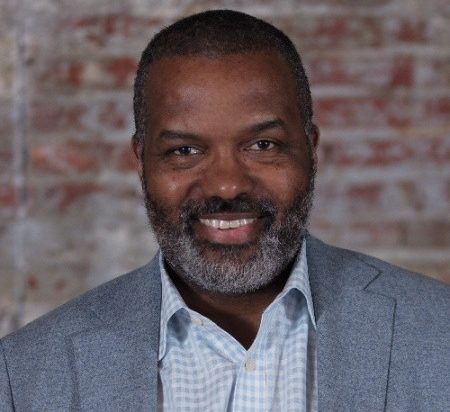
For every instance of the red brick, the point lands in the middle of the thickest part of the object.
(126, 159)
(407, 29)
(431, 196)
(93, 73)
(60, 285)
(432, 112)
(32, 282)
(433, 72)
(371, 234)
(121, 69)
(111, 115)
(386, 153)
(350, 4)
(67, 194)
(429, 234)
(370, 72)
(371, 111)
(67, 116)
(437, 109)
(67, 157)
(365, 195)
(330, 32)
(351, 30)
(416, 29)
(333, 70)
(402, 72)
(59, 73)
(361, 234)
(8, 196)
(101, 30)
(342, 199)
(73, 157)
(49, 116)
(370, 201)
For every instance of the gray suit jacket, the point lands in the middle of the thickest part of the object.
(383, 342)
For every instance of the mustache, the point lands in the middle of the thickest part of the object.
(193, 209)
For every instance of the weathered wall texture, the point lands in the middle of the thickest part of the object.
(71, 212)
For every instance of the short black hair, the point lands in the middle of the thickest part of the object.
(216, 33)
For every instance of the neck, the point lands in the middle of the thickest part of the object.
(239, 315)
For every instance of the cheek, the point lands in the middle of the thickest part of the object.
(167, 189)
(284, 183)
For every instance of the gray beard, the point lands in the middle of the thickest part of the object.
(232, 271)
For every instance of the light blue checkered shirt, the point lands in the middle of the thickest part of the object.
(203, 368)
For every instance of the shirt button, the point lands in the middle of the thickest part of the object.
(197, 321)
(250, 365)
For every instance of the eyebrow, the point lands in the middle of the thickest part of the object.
(266, 125)
(174, 134)
(256, 128)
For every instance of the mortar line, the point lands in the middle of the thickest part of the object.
(20, 162)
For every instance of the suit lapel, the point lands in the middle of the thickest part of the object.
(115, 366)
(354, 327)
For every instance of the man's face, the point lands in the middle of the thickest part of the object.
(227, 169)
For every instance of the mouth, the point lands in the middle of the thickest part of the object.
(222, 224)
(229, 228)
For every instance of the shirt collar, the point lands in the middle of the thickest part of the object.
(172, 302)
(299, 280)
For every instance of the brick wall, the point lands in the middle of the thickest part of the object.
(71, 214)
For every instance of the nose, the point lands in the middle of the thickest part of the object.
(226, 177)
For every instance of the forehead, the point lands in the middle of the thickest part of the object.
(267, 62)
(179, 80)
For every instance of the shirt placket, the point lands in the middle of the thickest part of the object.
(222, 350)
(253, 390)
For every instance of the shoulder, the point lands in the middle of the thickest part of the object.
(406, 284)
(419, 295)
(394, 279)
(38, 362)
(78, 314)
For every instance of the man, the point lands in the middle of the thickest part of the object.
(242, 310)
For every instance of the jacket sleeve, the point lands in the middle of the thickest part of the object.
(6, 402)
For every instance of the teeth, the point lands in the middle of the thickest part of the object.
(226, 224)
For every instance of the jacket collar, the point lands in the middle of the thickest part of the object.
(354, 329)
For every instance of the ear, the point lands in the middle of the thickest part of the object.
(314, 137)
(138, 151)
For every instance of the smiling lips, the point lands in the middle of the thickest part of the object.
(227, 224)
(229, 228)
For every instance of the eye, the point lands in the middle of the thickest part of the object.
(185, 151)
(262, 145)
